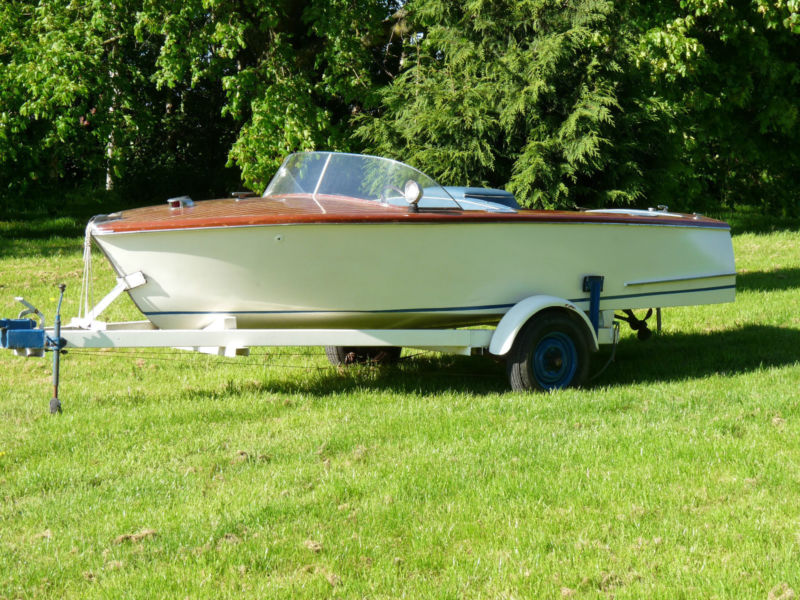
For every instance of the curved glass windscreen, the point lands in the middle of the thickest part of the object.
(355, 176)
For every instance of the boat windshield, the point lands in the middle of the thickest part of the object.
(358, 176)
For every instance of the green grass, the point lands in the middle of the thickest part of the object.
(675, 475)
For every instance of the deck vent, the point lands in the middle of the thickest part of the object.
(180, 202)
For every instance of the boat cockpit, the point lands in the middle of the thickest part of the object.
(380, 180)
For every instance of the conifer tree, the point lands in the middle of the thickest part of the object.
(594, 103)
(533, 96)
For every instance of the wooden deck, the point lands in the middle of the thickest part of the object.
(336, 209)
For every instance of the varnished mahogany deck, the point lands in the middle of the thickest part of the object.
(302, 209)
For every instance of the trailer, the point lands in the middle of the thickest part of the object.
(546, 340)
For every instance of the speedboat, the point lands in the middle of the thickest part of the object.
(365, 255)
(354, 241)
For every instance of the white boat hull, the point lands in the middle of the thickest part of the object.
(406, 275)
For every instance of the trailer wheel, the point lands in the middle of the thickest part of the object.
(361, 355)
(550, 352)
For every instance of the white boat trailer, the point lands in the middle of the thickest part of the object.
(588, 328)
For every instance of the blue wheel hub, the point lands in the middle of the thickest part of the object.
(554, 361)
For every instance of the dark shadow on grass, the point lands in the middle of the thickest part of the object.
(753, 220)
(427, 374)
(43, 228)
(422, 374)
(30, 248)
(676, 357)
(41, 237)
(663, 358)
(768, 281)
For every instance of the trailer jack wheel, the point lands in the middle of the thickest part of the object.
(550, 352)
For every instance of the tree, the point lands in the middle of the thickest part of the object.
(586, 102)
(52, 108)
(564, 102)
(294, 72)
(152, 95)
(79, 103)
(731, 69)
(537, 96)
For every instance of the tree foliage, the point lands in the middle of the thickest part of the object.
(732, 71)
(587, 102)
(80, 104)
(524, 94)
(570, 102)
(153, 91)
(293, 71)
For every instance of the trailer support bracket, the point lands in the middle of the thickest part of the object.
(124, 283)
(594, 285)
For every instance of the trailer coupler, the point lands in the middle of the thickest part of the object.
(26, 339)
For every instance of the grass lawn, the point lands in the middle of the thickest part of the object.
(675, 475)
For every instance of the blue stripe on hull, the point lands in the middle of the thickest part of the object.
(427, 310)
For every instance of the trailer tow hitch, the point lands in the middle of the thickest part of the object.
(26, 339)
(640, 326)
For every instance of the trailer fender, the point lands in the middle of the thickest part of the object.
(520, 313)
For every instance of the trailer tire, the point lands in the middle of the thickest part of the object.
(362, 355)
(550, 352)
